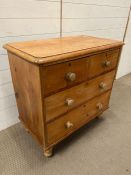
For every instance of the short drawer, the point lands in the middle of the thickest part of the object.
(68, 123)
(103, 62)
(63, 75)
(64, 101)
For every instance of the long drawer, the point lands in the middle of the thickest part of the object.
(64, 101)
(65, 75)
(66, 124)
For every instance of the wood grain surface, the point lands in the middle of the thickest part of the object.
(59, 49)
(70, 85)
(26, 81)
(55, 104)
(54, 76)
(57, 129)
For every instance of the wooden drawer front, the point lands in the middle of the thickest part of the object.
(66, 124)
(63, 75)
(62, 102)
(103, 62)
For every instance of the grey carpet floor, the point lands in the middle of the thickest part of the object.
(102, 147)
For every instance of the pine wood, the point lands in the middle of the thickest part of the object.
(60, 49)
(55, 104)
(39, 72)
(57, 129)
(27, 87)
(97, 62)
(53, 84)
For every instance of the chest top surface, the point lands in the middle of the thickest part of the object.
(59, 49)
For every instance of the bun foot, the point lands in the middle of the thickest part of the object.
(27, 130)
(48, 152)
(99, 117)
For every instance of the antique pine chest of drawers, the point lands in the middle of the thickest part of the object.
(61, 84)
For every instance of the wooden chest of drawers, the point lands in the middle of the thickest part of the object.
(62, 84)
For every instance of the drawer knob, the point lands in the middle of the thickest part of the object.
(69, 101)
(71, 76)
(106, 63)
(99, 106)
(102, 86)
(69, 124)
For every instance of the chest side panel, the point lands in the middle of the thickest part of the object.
(27, 88)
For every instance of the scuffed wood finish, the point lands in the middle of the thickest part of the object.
(103, 62)
(26, 81)
(56, 75)
(56, 104)
(60, 49)
(62, 84)
(57, 130)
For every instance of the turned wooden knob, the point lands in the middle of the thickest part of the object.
(102, 86)
(106, 63)
(70, 76)
(99, 106)
(69, 101)
(69, 125)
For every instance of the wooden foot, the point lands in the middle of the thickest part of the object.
(27, 130)
(48, 152)
(99, 117)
